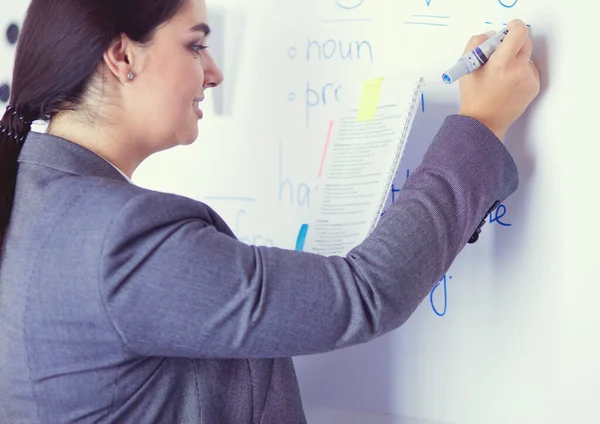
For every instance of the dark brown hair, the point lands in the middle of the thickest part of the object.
(58, 51)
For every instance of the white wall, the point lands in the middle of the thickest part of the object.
(518, 342)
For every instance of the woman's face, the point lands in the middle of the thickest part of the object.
(176, 72)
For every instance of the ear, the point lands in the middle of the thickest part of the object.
(119, 57)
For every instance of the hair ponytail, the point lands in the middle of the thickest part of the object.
(13, 131)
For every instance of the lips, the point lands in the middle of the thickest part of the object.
(196, 104)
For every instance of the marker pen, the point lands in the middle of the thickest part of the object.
(476, 58)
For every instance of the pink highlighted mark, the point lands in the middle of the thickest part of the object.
(325, 150)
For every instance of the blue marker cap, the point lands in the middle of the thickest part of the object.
(475, 58)
(460, 69)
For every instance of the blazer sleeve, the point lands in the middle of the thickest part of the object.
(173, 285)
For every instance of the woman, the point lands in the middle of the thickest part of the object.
(124, 305)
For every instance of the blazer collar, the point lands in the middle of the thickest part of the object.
(64, 155)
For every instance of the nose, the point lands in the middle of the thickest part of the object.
(213, 76)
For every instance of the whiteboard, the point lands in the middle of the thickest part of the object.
(516, 340)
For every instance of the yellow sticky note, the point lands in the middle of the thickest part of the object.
(369, 99)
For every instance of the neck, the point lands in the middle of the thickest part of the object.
(109, 143)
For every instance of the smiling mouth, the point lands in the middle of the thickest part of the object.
(196, 104)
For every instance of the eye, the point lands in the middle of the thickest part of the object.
(197, 48)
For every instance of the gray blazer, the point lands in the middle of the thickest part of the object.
(124, 305)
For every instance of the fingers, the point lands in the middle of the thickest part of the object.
(524, 54)
(535, 71)
(477, 40)
(518, 34)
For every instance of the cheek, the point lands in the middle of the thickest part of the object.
(168, 94)
(188, 80)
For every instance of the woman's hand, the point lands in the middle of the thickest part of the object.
(498, 93)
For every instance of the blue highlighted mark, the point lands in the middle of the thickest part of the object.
(498, 215)
(422, 102)
(443, 280)
(505, 24)
(301, 237)
(447, 79)
(507, 4)
(344, 4)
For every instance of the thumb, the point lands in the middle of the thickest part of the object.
(477, 40)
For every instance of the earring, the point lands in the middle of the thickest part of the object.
(130, 76)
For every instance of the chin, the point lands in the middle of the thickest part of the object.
(192, 138)
(188, 142)
(187, 138)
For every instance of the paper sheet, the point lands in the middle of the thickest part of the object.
(360, 162)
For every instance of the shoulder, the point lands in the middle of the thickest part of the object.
(106, 203)
(132, 201)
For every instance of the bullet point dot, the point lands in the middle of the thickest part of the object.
(12, 34)
(292, 52)
(292, 97)
(4, 93)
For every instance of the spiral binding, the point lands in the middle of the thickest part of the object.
(398, 155)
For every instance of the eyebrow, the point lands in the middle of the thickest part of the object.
(201, 28)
